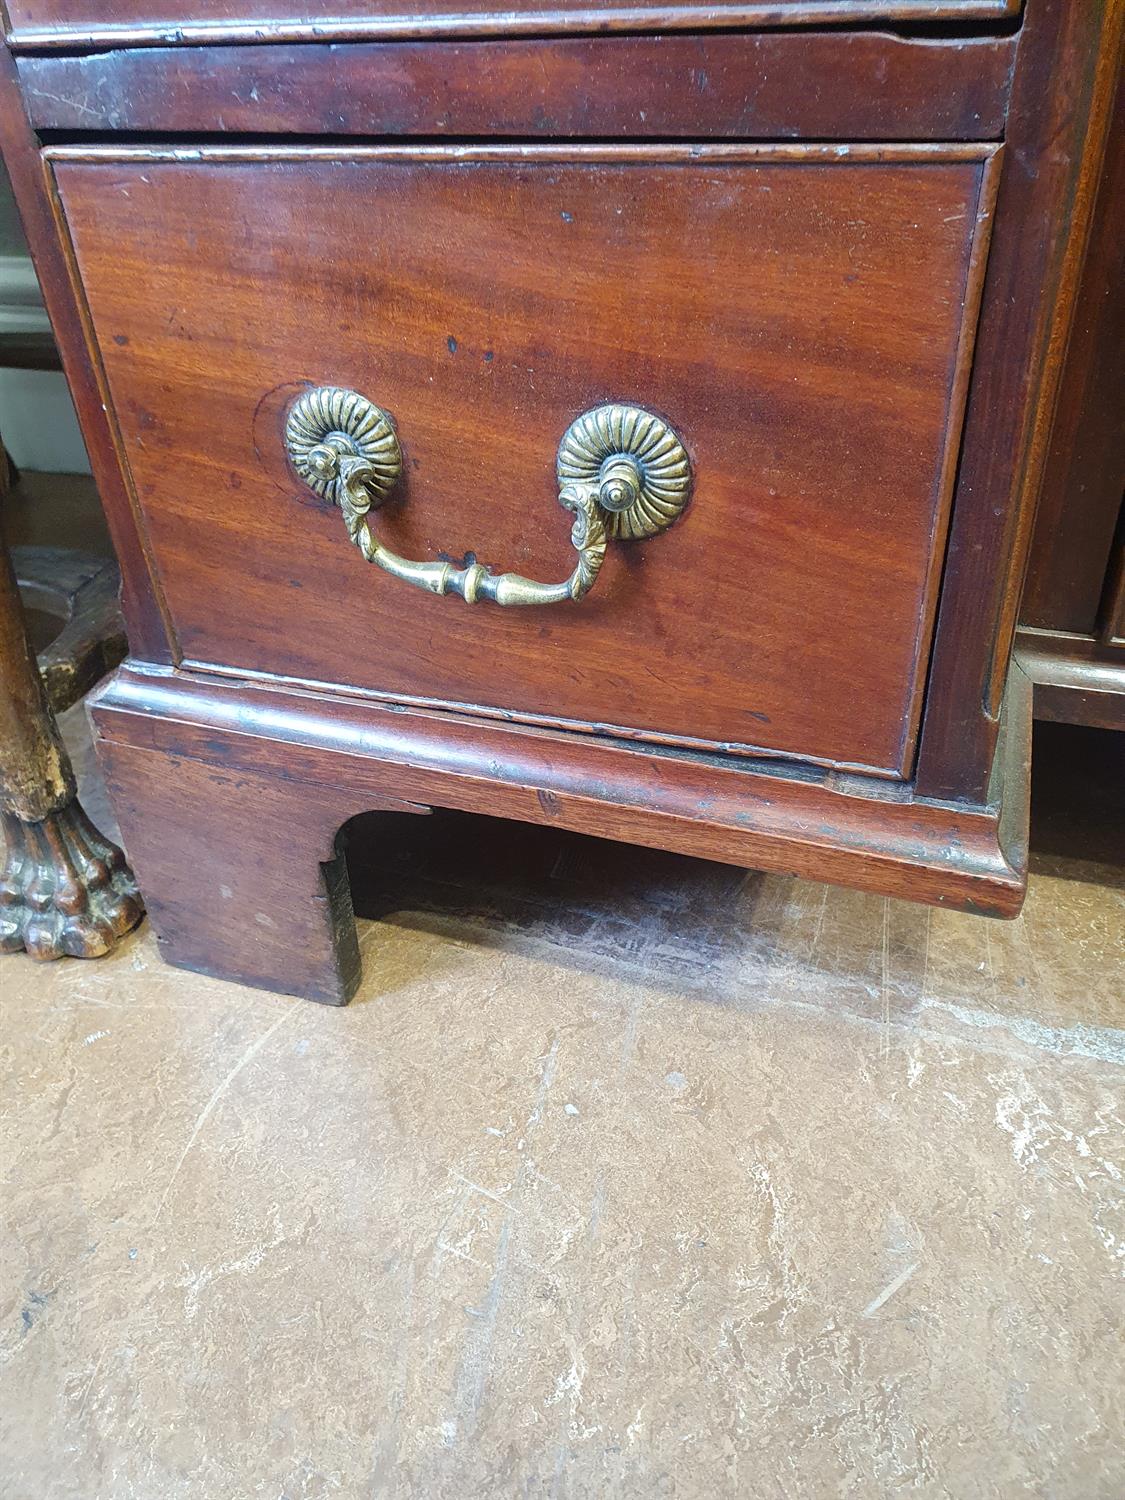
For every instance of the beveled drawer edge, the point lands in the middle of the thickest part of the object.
(581, 151)
(638, 18)
(956, 410)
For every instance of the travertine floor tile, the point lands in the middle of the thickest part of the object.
(625, 1176)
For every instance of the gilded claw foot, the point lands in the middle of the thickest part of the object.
(64, 889)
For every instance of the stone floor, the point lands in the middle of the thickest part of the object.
(624, 1176)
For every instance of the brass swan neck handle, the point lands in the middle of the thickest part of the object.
(621, 472)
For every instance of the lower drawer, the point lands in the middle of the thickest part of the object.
(801, 317)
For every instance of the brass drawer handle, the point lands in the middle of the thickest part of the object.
(622, 471)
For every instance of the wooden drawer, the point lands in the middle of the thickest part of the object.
(808, 671)
(780, 85)
(38, 23)
(802, 316)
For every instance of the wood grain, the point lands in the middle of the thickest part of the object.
(1085, 472)
(1069, 63)
(230, 796)
(810, 349)
(65, 23)
(824, 85)
(1073, 610)
(265, 903)
(141, 601)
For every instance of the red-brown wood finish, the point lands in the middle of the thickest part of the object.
(769, 85)
(141, 601)
(1085, 471)
(806, 347)
(283, 771)
(270, 904)
(63, 23)
(1072, 635)
(1069, 64)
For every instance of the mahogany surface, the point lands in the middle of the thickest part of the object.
(142, 605)
(854, 86)
(1072, 635)
(38, 23)
(1062, 100)
(808, 349)
(1085, 471)
(230, 801)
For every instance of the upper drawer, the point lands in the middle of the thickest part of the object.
(71, 22)
(801, 316)
(776, 85)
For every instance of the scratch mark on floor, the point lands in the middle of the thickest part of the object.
(460, 1254)
(546, 1078)
(990, 964)
(247, 1057)
(1104, 1043)
(475, 1364)
(819, 924)
(926, 954)
(888, 1291)
(390, 1435)
(597, 1207)
(629, 1033)
(885, 1046)
(472, 1377)
(197, 1284)
(484, 1192)
(93, 1377)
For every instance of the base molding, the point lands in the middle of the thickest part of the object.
(230, 796)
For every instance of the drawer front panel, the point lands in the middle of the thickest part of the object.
(801, 316)
(779, 85)
(66, 22)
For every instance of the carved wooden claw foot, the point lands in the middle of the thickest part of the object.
(64, 889)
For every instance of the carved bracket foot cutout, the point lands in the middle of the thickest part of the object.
(64, 889)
